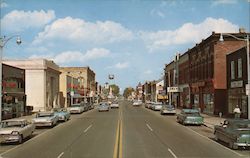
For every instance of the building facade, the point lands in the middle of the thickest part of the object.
(42, 82)
(13, 88)
(236, 81)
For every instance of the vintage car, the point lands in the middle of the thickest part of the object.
(168, 109)
(235, 132)
(190, 117)
(103, 107)
(44, 119)
(137, 103)
(77, 108)
(156, 106)
(114, 104)
(63, 114)
(15, 130)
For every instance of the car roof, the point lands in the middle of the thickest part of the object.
(238, 120)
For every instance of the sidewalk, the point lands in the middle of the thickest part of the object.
(209, 120)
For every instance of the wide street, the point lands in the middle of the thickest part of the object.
(128, 132)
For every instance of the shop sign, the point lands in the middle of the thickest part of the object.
(247, 89)
(236, 84)
(173, 89)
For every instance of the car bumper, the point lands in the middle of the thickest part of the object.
(43, 124)
(9, 139)
(168, 112)
(103, 110)
(247, 144)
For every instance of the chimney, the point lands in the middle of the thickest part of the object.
(242, 30)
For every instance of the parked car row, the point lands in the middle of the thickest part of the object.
(235, 132)
(16, 130)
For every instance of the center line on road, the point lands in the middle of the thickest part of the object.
(60, 155)
(149, 127)
(87, 128)
(172, 153)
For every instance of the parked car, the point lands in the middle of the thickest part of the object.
(77, 108)
(148, 105)
(103, 107)
(15, 130)
(235, 132)
(44, 119)
(62, 113)
(168, 109)
(114, 104)
(137, 103)
(157, 106)
(190, 116)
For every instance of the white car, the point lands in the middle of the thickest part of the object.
(137, 103)
(114, 105)
(168, 109)
(157, 106)
(15, 130)
(45, 119)
(76, 108)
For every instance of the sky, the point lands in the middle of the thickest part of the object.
(132, 39)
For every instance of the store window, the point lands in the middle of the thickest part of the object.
(240, 68)
(232, 70)
(208, 100)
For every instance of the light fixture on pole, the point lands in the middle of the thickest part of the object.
(248, 64)
(3, 42)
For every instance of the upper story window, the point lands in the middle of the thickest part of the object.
(240, 68)
(232, 70)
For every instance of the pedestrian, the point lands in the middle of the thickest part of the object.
(237, 111)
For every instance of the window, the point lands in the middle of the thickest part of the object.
(232, 70)
(240, 68)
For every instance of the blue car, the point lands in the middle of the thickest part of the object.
(62, 114)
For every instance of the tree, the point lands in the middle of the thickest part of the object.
(115, 89)
(128, 91)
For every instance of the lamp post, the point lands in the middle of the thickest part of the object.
(248, 66)
(3, 42)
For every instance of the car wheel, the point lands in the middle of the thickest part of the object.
(233, 146)
(20, 139)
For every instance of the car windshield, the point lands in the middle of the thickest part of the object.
(12, 124)
(243, 125)
(192, 113)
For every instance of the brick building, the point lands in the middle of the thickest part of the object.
(204, 70)
(236, 81)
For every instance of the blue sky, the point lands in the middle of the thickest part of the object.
(131, 39)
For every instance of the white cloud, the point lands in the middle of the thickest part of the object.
(78, 30)
(76, 56)
(221, 2)
(4, 5)
(187, 33)
(18, 20)
(122, 65)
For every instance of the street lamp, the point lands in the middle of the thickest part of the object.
(3, 42)
(248, 66)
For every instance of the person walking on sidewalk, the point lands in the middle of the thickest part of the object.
(237, 112)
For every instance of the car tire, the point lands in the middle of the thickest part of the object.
(232, 146)
(20, 139)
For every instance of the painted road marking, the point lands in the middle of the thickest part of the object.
(87, 128)
(172, 153)
(60, 155)
(214, 141)
(149, 127)
(120, 140)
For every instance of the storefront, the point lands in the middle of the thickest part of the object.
(14, 98)
(184, 96)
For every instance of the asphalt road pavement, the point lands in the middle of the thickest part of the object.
(128, 132)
